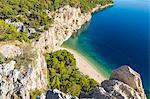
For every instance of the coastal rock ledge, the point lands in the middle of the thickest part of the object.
(124, 83)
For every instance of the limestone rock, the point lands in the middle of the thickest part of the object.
(67, 20)
(19, 25)
(120, 90)
(99, 93)
(124, 83)
(113, 89)
(10, 51)
(31, 30)
(14, 83)
(129, 77)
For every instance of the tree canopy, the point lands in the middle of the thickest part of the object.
(34, 13)
(65, 76)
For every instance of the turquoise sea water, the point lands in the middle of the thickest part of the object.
(116, 36)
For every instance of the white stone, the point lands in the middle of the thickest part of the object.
(10, 51)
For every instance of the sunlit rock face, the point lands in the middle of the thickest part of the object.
(130, 77)
(9, 50)
(67, 20)
(18, 81)
(124, 83)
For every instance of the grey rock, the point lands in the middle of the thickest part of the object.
(10, 51)
(129, 77)
(31, 30)
(100, 93)
(124, 83)
(56, 94)
(119, 90)
(19, 25)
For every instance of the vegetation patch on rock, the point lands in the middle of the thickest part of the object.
(2, 59)
(9, 32)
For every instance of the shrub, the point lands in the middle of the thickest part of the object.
(9, 32)
(2, 59)
(35, 93)
(27, 57)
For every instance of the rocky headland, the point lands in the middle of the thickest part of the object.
(17, 82)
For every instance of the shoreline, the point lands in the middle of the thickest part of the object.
(85, 66)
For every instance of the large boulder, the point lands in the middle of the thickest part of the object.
(120, 90)
(19, 25)
(124, 83)
(112, 89)
(129, 77)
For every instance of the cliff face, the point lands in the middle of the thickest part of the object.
(19, 82)
(67, 20)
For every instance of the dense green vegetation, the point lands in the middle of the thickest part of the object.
(85, 5)
(64, 75)
(35, 93)
(31, 12)
(9, 32)
(34, 13)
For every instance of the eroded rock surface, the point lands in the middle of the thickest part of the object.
(129, 77)
(67, 20)
(9, 50)
(18, 81)
(124, 83)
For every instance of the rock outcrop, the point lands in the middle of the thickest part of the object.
(67, 20)
(18, 82)
(129, 77)
(9, 50)
(124, 83)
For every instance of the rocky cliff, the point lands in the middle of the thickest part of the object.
(67, 20)
(18, 82)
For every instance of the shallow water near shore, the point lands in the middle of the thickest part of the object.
(118, 35)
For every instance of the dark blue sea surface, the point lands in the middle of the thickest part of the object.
(117, 36)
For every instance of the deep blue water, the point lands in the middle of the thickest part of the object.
(118, 35)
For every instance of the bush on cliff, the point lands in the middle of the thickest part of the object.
(9, 32)
(64, 75)
(35, 93)
(27, 57)
(2, 59)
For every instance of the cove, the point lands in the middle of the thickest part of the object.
(118, 35)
